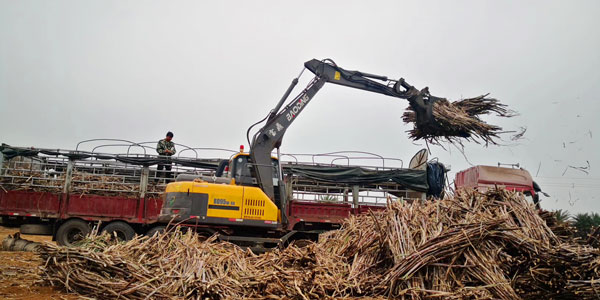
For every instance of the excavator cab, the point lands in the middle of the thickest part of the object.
(243, 172)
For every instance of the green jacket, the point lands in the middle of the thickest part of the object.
(165, 145)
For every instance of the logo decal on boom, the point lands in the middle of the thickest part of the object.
(294, 110)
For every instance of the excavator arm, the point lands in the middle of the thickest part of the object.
(421, 101)
(271, 134)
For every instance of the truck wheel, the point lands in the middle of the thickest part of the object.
(122, 230)
(72, 231)
(302, 243)
(154, 230)
(205, 233)
(36, 229)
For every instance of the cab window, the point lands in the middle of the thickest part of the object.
(240, 170)
(243, 173)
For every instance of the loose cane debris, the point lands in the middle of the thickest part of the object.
(470, 246)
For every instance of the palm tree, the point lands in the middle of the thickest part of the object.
(585, 223)
(561, 216)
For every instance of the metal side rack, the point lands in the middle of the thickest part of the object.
(378, 194)
(82, 173)
(133, 172)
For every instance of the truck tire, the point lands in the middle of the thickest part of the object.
(36, 229)
(72, 231)
(205, 233)
(154, 230)
(301, 243)
(122, 230)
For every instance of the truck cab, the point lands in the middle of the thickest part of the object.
(483, 178)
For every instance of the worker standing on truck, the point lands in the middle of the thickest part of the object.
(165, 147)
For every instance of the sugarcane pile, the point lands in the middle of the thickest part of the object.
(105, 185)
(453, 121)
(83, 183)
(564, 230)
(30, 180)
(470, 246)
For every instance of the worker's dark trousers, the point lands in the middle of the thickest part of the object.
(167, 173)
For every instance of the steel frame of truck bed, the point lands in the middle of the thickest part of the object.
(52, 185)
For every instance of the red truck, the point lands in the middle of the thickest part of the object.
(483, 178)
(66, 193)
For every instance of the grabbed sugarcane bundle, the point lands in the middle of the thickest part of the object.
(437, 119)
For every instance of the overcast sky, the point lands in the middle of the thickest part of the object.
(206, 70)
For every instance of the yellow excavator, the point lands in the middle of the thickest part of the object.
(249, 203)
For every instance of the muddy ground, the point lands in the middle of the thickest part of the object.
(18, 272)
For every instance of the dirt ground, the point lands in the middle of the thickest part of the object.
(18, 272)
